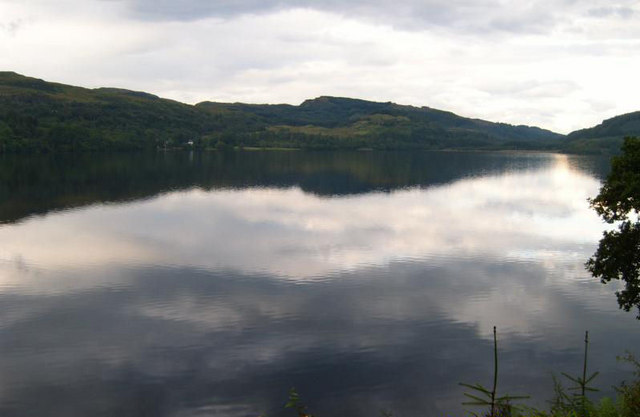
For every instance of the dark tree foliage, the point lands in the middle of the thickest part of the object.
(618, 255)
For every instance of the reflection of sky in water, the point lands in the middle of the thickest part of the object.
(189, 303)
(529, 215)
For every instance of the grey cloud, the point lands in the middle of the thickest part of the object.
(12, 27)
(533, 88)
(537, 22)
(461, 15)
(413, 14)
(611, 11)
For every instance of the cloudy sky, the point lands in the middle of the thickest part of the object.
(561, 65)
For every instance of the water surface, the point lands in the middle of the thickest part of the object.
(185, 284)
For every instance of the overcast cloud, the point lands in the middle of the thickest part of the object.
(560, 65)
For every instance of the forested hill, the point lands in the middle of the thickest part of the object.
(605, 137)
(39, 116)
(36, 115)
(360, 123)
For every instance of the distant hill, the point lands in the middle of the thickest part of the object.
(36, 115)
(605, 137)
(353, 123)
(40, 116)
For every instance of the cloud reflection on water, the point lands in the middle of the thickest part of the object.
(179, 340)
(535, 215)
(188, 303)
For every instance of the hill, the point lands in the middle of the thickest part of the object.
(352, 123)
(40, 116)
(606, 137)
(37, 115)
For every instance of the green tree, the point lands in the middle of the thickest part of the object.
(618, 255)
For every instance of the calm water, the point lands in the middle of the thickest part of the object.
(207, 285)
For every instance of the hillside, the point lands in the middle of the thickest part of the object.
(353, 123)
(606, 137)
(36, 115)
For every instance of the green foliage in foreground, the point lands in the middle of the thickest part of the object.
(499, 406)
(626, 403)
(567, 402)
(575, 405)
(563, 404)
(618, 254)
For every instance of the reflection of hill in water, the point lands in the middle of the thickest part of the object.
(39, 184)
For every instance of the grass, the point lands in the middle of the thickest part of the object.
(566, 402)
(563, 404)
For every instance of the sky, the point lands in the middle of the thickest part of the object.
(561, 65)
